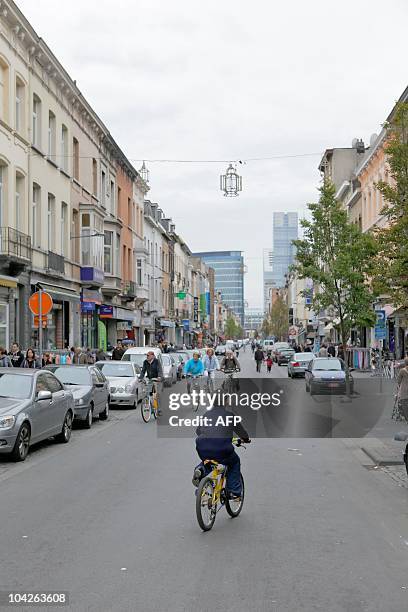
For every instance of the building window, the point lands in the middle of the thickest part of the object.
(75, 231)
(75, 154)
(51, 223)
(130, 212)
(2, 191)
(64, 227)
(19, 202)
(36, 135)
(94, 177)
(51, 135)
(139, 275)
(19, 110)
(103, 189)
(117, 255)
(4, 90)
(85, 239)
(64, 148)
(107, 265)
(36, 215)
(112, 198)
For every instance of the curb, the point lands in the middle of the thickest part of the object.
(379, 459)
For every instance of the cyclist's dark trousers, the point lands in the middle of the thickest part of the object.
(233, 463)
(269, 368)
(258, 366)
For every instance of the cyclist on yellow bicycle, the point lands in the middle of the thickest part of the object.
(214, 441)
(152, 368)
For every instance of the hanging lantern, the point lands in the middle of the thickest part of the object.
(144, 173)
(231, 182)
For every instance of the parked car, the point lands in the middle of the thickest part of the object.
(33, 406)
(298, 364)
(328, 375)
(89, 388)
(282, 352)
(220, 349)
(125, 389)
(169, 369)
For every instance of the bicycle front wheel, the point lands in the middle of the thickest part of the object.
(234, 507)
(145, 409)
(206, 509)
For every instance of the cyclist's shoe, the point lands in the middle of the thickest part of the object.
(159, 412)
(234, 497)
(197, 476)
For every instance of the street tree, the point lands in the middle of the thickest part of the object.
(339, 259)
(279, 319)
(232, 329)
(392, 259)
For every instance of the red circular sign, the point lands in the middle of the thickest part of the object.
(46, 303)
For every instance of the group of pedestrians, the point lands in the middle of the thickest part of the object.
(75, 355)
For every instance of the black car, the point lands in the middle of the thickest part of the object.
(328, 375)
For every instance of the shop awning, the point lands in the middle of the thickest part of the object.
(8, 281)
(59, 293)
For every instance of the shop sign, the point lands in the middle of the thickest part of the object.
(91, 295)
(123, 325)
(380, 328)
(195, 319)
(125, 315)
(105, 311)
(87, 306)
(186, 324)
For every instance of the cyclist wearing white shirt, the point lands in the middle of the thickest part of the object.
(211, 364)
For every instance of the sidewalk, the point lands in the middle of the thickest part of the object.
(384, 452)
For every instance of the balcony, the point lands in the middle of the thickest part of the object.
(15, 250)
(56, 263)
(129, 290)
(112, 286)
(94, 277)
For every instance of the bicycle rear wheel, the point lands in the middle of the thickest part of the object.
(234, 507)
(206, 510)
(145, 409)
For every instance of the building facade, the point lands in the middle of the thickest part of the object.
(285, 230)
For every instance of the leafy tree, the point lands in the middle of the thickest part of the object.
(279, 319)
(392, 258)
(232, 330)
(339, 258)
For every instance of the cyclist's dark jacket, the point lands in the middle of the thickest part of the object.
(230, 363)
(152, 369)
(215, 442)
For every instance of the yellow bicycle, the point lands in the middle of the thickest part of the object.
(211, 493)
(150, 402)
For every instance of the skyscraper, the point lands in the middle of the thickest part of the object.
(229, 277)
(285, 230)
(276, 261)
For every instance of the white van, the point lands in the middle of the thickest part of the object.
(137, 354)
(268, 343)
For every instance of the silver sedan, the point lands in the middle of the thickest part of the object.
(33, 406)
(123, 378)
(299, 363)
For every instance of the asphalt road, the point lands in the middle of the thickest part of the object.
(110, 518)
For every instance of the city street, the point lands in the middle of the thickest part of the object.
(110, 518)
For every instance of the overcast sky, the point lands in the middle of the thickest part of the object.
(227, 80)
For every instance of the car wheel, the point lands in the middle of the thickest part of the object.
(104, 415)
(89, 418)
(66, 432)
(22, 443)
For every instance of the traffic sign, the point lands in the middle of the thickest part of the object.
(380, 326)
(181, 295)
(45, 306)
(44, 319)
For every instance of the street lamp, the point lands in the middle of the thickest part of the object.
(231, 182)
(144, 172)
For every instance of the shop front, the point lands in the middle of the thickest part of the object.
(8, 302)
(91, 300)
(63, 322)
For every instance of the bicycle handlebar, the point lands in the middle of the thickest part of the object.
(239, 442)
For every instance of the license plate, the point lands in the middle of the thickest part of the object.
(303, 365)
(333, 385)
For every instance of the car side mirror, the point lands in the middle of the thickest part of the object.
(99, 384)
(43, 395)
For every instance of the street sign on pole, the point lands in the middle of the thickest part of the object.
(380, 328)
(40, 303)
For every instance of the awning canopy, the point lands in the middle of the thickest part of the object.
(8, 281)
(59, 293)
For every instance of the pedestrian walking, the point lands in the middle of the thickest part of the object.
(47, 359)
(259, 357)
(402, 392)
(269, 363)
(79, 357)
(323, 351)
(331, 350)
(100, 355)
(90, 357)
(118, 351)
(5, 361)
(16, 356)
(340, 352)
(30, 360)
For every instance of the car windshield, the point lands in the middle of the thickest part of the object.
(119, 370)
(72, 375)
(137, 358)
(166, 360)
(303, 356)
(327, 364)
(15, 386)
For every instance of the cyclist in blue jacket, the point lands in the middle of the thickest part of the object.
(193, 367)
